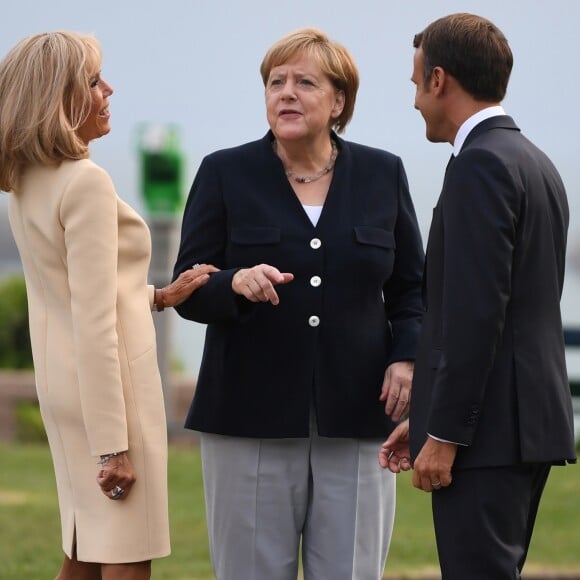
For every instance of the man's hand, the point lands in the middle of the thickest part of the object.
(433, 465)
(394, 453)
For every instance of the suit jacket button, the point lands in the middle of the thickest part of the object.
(315, 243)
(315, 281)
(314, 321)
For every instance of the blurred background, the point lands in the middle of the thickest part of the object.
(193, 64)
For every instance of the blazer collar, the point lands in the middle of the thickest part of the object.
(498, 122)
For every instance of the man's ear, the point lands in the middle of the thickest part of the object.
(438, 79)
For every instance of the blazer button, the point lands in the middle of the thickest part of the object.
(315, 281)
(314, 321)
(315, 243)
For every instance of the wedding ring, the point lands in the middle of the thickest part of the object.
(195, 266)
(117, 492)
(436, 484)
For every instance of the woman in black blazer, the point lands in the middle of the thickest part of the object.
(312, 325)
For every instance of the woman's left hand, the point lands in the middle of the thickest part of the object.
(396, 389)
(116, 477)
(394, 454)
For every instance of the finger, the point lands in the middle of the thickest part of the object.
(258, 290)
(272, 296)
(392, 399)
(417, 480)
(263, 288)
(388, 460)
(446, 479)
(199, 281)
(383, 461)
(405, 464)
(426, 484)
(204, 268)
(400, 409)
(286, 277)
(394, 464)
(386, 385)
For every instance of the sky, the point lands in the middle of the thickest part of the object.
(195, 64)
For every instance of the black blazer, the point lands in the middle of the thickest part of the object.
(490, 372)
(328, 343)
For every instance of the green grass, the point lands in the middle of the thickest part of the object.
(30, 531)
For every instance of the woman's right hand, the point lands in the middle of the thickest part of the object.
(257, 283)
(186, 283)
(116, 474)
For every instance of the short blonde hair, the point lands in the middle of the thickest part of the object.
(45, 96)
(334, 60)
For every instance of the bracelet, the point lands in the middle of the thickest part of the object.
(105, 458)
(159, 299)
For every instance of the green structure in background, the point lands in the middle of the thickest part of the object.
(161, 168)
(162, 163)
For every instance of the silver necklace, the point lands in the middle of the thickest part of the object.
(309, 178)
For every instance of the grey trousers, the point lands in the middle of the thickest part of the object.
(269, 499)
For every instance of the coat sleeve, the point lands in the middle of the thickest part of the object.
(88, 215)
(203, 240)
(480, 211)
(403, 289)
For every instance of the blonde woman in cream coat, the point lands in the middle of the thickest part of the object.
(86, 255)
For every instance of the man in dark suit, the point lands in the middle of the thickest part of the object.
(491, 409)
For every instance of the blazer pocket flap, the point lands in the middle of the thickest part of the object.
(253, 236)
(374, 236)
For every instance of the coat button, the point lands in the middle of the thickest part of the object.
(315, 243)
(315, 281)
(314, 321)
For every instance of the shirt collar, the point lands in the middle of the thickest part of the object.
(471, 122)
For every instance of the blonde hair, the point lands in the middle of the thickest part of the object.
(334, 60)
(45, 96)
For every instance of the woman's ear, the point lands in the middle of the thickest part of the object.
(339, 100)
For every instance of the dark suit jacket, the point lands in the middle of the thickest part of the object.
(330, 339)
(490, 372)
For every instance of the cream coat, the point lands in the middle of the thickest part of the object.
(86, 256)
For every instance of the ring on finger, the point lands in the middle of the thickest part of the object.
(117, 492)
(436, 484)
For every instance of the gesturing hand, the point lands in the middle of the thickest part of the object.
(257, 283)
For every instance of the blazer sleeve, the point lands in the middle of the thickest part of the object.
(203, 240)
(88, 215)
(403, 290)
(480, 210)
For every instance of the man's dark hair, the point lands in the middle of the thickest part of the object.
(472, 50)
